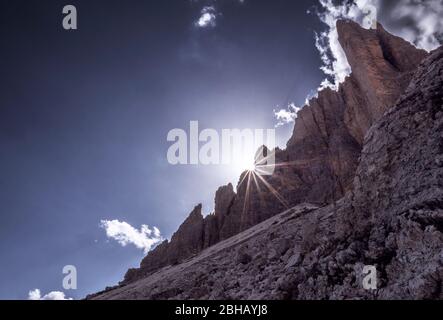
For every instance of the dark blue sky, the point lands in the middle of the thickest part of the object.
(84, 117)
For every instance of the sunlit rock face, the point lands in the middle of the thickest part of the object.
(321, 158)
(382, 66)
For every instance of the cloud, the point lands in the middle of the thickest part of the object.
(53, 295)
(426, 30)
(288, 115)
(209, 13)
(208, 17)
(126, 234)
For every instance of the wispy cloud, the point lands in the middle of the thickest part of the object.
(426, 31)
(126, 234)
(288, 115)
(53, 295)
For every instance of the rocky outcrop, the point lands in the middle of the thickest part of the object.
(186, 242)
(382, 67)
(224, 199)
(194, 235)
(396, 207)
(392, 219)
(321, 159)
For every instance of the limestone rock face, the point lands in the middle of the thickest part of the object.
(224, 198)
(195, 234)
(381, 71)
(320, 161)
(392, 219)
(187, 241)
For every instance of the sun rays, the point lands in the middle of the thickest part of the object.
(256, 177)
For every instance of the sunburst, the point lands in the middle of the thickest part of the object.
(255, 175)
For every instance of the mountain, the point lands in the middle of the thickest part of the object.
(360, 183)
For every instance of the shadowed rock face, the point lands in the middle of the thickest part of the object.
(391, 219)
(187, 241)
(195, 234)
(321, 158)
(396, 206)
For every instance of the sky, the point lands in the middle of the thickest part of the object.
(85, 114)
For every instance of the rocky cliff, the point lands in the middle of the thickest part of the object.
(369, 154)
(320, 160)
(392, 219)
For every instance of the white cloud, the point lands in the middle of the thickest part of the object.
(288, 115)
(427, 18)
(53, 295)
(209, 13)
(208, 17)
(126, 234)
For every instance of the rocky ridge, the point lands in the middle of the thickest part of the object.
(320, 160)
(373, 149)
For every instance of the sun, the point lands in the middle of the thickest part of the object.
(246, 164)
(249, 167)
